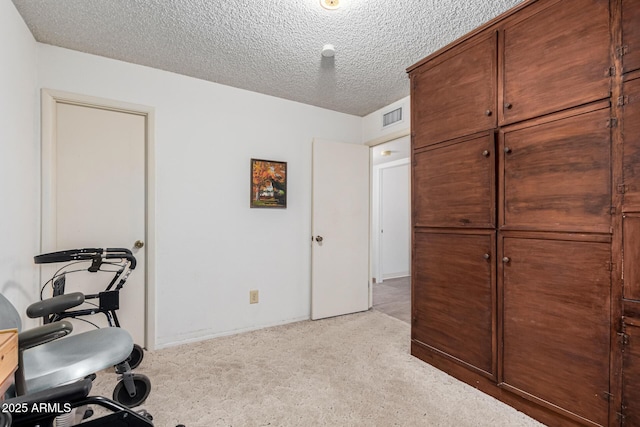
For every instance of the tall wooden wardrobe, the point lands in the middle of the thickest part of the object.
(526, 210)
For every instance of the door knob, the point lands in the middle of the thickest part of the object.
(138, 244)
(319, 239)
(486, 256)
(507, 150)
(506, 259)
(486, 153)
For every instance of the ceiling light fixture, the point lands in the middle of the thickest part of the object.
(330, 4)
(328, 51)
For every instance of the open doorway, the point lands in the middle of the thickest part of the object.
(391, 228)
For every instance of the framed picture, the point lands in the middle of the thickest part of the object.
(268, 184)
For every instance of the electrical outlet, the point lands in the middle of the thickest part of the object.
(253, 297)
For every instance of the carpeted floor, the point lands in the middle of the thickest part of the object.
(352, 370)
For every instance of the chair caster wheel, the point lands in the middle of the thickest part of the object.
(87, 414)
(136, 356)
(146, 414)
(142, 390)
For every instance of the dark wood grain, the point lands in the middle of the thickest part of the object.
(555, 311)
(631, 35)
(453, 294)
(631, 308)
(631, 249)
(630, 124)
(557, 175)
(545, 415)
(458, 96)
(454, 184)
(556, 59)
(540, 331)
(631, 377)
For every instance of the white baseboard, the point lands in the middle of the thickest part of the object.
(395, 275)
(207, 335)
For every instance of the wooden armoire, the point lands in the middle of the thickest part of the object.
(526, 210)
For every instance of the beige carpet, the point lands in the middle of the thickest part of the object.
(351, 370)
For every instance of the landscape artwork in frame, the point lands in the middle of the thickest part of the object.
(268, 184)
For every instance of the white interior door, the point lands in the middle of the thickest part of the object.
(340, 229)
(97, 184)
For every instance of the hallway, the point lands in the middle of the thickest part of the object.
(393, 297)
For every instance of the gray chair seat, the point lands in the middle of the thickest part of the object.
(50, 357)
(75, 356)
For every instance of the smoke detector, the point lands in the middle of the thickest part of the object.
(330, 4)
(328, 51)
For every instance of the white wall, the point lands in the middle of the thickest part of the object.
(372, 129)
(211, 247)
(19, 160)
(394, 138)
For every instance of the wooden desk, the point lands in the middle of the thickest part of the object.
(8, 358)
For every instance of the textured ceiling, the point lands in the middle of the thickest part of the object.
(268, 46)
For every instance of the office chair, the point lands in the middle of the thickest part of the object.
(47, 360)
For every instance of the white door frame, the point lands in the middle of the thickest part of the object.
(377, 222)
(49, 99)
(374, 239)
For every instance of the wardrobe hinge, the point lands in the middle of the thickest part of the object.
(621, 417)
(623, 100)
(612, 211)
(612, 122)
(609, 266)
(622, 50)
(623, 338)
(610, 72)
(606, 395)
(415, 83)
(621, 188)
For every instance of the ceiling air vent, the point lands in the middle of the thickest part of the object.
(392, 117)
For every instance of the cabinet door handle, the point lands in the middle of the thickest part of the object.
(488, 113)
(486, 256)
(507, 150)
(508, 105)
(506, 259)
(485, 153)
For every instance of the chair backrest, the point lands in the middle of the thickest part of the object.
(9, 316)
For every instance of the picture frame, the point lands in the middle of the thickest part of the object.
(268, 184)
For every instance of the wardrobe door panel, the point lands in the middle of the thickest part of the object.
(631, 248)
(454, 184)
(630, 124)
(630, 35)
(556, 59)
(556, 324)
(631, 373)
(457, 96)
(453, 296)
(557, 175)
